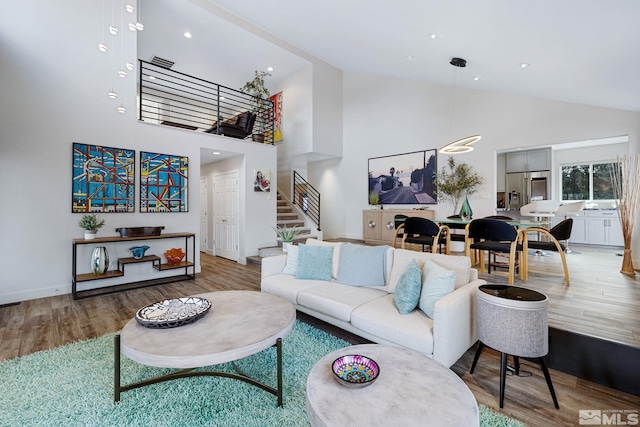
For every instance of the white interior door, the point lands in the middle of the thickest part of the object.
(204, 229)
(225, 209)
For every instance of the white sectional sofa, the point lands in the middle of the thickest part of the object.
(371, 311)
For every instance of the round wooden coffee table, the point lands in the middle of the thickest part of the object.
(411, 390)
(239, 324)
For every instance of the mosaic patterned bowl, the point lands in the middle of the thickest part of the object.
(355, 371)
(172, 313)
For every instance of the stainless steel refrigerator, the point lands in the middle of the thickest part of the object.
(527, 187)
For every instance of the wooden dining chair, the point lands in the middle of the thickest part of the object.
(424, 232)
(558, 234)
(493, 235)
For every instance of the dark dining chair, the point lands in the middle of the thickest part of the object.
(424, 232)
(559, 233)
(493, 235)
(398, 222)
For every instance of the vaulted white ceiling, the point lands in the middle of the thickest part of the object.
(580, 51)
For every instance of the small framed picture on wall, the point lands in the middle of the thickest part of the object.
(262, 180)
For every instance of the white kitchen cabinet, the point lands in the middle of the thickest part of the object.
(529, 161)
(579, 230)
(604, 228)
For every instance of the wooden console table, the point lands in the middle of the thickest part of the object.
(378, 227)
(154, 259)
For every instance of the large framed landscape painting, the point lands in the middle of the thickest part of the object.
(405, 179)
(103, 179)
(163, 182)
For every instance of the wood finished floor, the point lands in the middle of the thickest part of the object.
(600, 302)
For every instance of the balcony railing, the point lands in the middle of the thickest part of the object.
(176, 99)
(306, 197)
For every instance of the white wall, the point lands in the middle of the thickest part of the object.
(384, 116)
(54, 85)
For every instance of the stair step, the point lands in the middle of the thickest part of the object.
(288, 216)
(284, 209)
(290, 223)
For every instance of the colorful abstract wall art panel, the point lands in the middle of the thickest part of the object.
(103, 179)
(163, 183)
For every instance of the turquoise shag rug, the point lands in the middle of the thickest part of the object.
(73, 386)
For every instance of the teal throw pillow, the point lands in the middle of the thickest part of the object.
(438, 282)
(314, 262)
(407, 293)
(362, 265)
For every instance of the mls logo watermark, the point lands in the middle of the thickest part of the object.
(609, 417)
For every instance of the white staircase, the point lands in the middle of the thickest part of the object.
(288, 215)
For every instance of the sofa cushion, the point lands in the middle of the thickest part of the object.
(362, 265)
(381, 318)
(437, 282)
(407, 292)
(286, 286)
(291, 267)
(336, 300)
(335, 263)
(314, 262)
(401, 258)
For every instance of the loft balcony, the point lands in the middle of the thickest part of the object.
(171, 98)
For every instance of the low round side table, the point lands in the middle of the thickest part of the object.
(412, 388)
(513, 321)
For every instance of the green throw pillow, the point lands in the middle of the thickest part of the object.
(314, 262)
(438, 282)
(407, 293)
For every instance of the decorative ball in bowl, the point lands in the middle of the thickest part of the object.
(355, 371)
(174, 256)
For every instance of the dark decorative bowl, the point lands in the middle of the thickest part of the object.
(355, 371)
(172, 313)
(139, 231)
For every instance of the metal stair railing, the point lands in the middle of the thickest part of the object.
(307, 198)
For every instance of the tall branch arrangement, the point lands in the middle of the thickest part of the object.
(453, 182)
(626, 187)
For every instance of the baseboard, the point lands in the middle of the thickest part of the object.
(600, 361)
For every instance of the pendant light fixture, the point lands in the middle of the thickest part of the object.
(463, 145)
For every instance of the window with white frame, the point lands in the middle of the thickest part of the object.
(587, 181)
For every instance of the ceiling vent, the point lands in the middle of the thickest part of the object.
(161, 62)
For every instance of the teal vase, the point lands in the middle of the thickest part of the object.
(465, 211)
(100, 260)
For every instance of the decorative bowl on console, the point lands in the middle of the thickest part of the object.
(138, 251)
(355, 371)
(139, 231)
(174, 256)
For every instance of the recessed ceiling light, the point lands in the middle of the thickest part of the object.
(269, 69)
(476, 78)
(187, 35)
(524, 65)
(411, 57)
(433, 36)
(222, 98)
(217, 153)
(152, 77)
